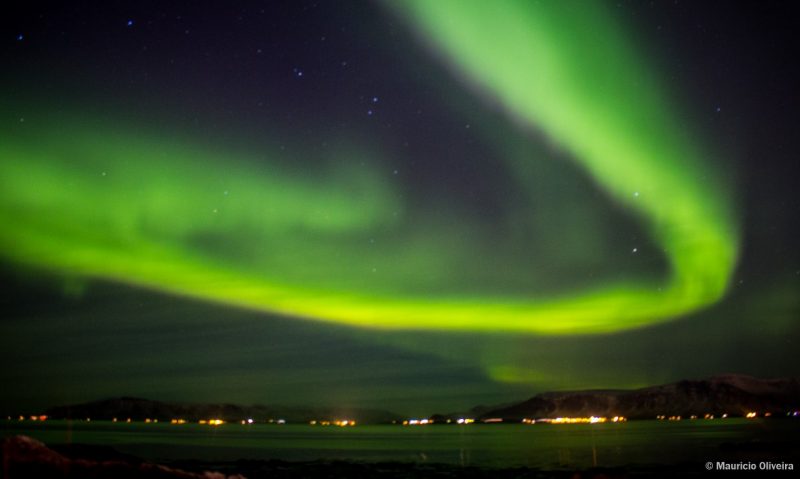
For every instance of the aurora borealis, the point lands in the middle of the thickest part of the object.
(507, 204)
(634, 152)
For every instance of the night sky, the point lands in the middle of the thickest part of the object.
(420, 205)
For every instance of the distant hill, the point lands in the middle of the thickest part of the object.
(139, 409)
(735, 395)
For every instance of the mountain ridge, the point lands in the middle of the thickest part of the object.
(730, 394)
(138, 409)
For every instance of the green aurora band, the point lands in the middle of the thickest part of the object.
(85, 200)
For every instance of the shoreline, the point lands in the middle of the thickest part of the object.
(26, 457)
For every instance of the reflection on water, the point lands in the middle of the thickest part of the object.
(541, 445)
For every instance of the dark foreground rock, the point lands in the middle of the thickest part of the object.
(23, 457)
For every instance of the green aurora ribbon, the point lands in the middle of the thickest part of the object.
(82, 199)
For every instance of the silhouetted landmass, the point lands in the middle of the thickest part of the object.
(735, 395)
(138, 409)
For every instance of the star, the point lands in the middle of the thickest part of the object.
(635, 250)
(130, 23)
(374, 99)
(20, 37)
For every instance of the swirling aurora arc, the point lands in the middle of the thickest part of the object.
(83, 199)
